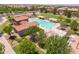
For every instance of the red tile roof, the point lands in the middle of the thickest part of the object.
(23, 22)
(24, 26)
(73, 9)
(20, 18)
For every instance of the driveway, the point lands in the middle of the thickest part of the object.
(8, 48)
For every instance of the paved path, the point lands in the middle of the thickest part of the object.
(18, 13)
(44, 51)
(3, 20)
(8, 48)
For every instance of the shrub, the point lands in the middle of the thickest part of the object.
(31, 30)
(74, 25)
(7, 29)
(26, 47)
(57, 45)
(41, 37)
(1, 48)
(10, 18)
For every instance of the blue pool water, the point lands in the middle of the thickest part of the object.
(43, 23)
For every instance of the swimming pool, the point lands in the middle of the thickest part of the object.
(43, 23)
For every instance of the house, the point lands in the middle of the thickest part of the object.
(20, 24)
(73, 11)
(18, 19)
(61, 11)
(24, 26)
(50, 9)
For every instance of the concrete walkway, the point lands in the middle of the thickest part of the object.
(3, 20)
(44, 51)
(8, 48)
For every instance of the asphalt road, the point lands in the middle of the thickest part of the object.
(13, 14)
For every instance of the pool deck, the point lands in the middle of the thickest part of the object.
(53, 27)
(33, 20)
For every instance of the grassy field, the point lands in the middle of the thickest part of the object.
(4, 25)
(49, 15)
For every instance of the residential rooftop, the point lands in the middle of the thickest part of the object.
(73, 9)
(20, 18)
(24, 26)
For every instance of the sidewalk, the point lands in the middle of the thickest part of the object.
(8, 48)
(3, 20)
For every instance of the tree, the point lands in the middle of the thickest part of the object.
(25, 47)
(10, 18)
(33, 8)
(61, 17)
(41, 37)
(32, 29)
(26, 9)
(57, 45)
(77, 14)
(74, 25)
(1, 48)
(65, 22)
(55, 10)
(65, 12)
(34, 14)
(68, 14)
(7, 29)
(33, 37)
(43, 9)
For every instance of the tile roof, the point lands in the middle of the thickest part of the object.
(20, 18)
(61, 9)
(73, 9)
(23, 22)
(24, 26)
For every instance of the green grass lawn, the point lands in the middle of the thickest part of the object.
(49, 15)
(40, 51)
(4, 25)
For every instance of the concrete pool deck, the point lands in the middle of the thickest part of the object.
(42, 22)
(50, 28)
(54, 31)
